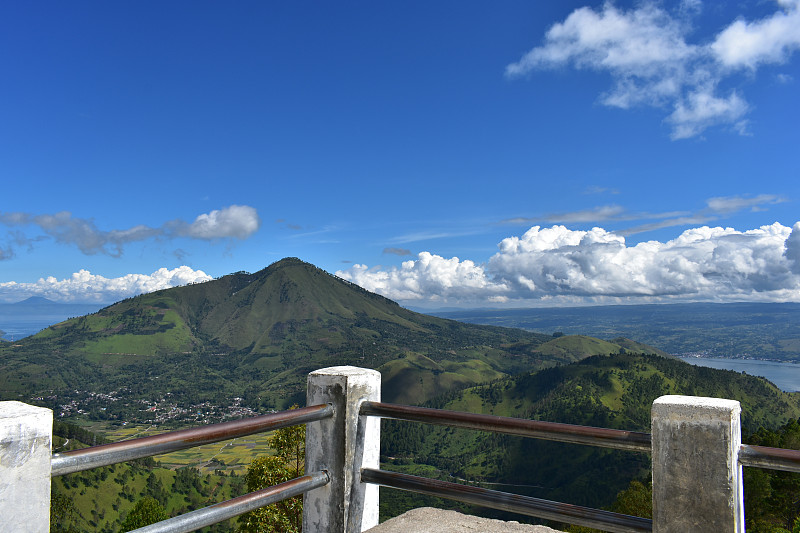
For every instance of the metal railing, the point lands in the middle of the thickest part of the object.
(128, 450)
(234, 507)
(505, 501)
(749, 455)
(602, 437)
(342, 455)
(118, 452)
(770, 458)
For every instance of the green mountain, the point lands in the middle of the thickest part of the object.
(256, 336)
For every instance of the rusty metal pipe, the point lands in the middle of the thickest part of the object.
(515, 503)
(128, 450)
(236, 506)
(592, 436)
(772, 458)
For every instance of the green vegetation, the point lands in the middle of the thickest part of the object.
(106, 499)
(288, 463)
(146, 511)
(772, 498)
(613, 391)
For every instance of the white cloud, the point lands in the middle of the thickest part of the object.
(596, 214)
(701, 109)
(715, 208)
(771, 40)
(793, 249)
(236, 221)
(641, 42)
(704, 263)
(558, 264)
(83, 286)
(429, 277)
(730, 204)
(645, 50)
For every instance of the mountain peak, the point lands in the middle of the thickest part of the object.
(36, 300)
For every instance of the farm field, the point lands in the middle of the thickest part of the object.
(231, 456)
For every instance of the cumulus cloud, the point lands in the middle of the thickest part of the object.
(428, 277)
(793, 249)
(645, 49)
(83, 286)
(556, 263)
(236, 221)
(701, 263)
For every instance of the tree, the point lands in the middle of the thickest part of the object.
(64, 516)
(636, 500)
(287, 463)
(146, 511)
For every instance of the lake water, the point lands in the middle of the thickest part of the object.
(25, 318)
(14, 328)
(785, 375)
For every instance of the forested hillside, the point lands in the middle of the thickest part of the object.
(613, 391)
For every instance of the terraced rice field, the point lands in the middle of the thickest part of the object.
(229, 456)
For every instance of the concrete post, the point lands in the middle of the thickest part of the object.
(697, 479)
(341, 445)
(26, 434)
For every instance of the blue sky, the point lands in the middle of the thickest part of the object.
(441, 153)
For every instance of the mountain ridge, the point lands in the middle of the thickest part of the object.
(256, 335)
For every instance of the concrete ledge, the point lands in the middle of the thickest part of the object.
(432, 520)
(25, 447)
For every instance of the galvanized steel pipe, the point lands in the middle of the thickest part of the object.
(771, 458)
(515, 503)
(128, 450)
(592, 436)
(236, 506)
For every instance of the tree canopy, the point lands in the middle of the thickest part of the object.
(287, 463)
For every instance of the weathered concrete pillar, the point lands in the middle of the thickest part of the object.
(342, 445)
(26, 434)
(697, 479)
